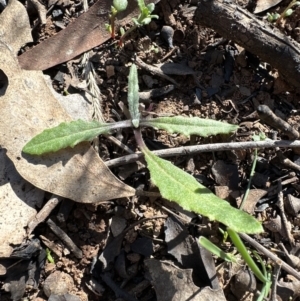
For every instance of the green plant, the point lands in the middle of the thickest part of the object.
(272, 17)
(144, 17)
(263, 275)
(174, 184)
(49, 256)
(117, 7)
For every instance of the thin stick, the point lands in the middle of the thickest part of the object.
(65, 239)
(284, 220)
(275, 276)
(269, 254)
(43, 213)
(195, 149)
(154, 70)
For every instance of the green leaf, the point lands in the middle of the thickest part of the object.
(146, 21)
(136, 22)
(151, 7)
(178, 186)
(120, 5)
(108, 27)
(133, 96)
(288, 12)
(246, 256)
(212, 248)
(190, 125)
(64, 135)
(122, 31)
(141, 4)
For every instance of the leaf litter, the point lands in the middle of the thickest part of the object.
(78, 173)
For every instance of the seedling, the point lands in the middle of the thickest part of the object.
(117, 7)
(174, 184)
(144, 17)
(263, 275)
(49, 256)
(272, 17)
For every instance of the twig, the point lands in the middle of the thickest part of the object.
(267, 115)
(65, 239)
(287, 162)
(286, 227)
(154, 70)
(119, 144)
(275, 276)
(52, 246)
(167, 55)
(269, 254)
(195, 149)
(43, 213)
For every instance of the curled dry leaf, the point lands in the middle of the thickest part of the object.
(27, 108)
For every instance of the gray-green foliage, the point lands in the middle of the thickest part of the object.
(173, 183)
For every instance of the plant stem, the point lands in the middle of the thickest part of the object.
(112, 22)
(139, 139)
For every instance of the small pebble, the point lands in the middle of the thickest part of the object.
(110, 71)
(58, 283)
(57, 13)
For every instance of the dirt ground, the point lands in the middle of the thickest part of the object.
(133, 236)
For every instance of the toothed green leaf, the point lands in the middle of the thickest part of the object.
(176, 185)
(64, 135)
(133, 95)
(190, 125)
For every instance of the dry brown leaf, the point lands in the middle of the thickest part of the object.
(14, 26)
(18, 200)
(27, 108)
(262, 5)
(83, 34)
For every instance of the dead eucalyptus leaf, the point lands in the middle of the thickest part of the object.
(18, 200)
(27, 108)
